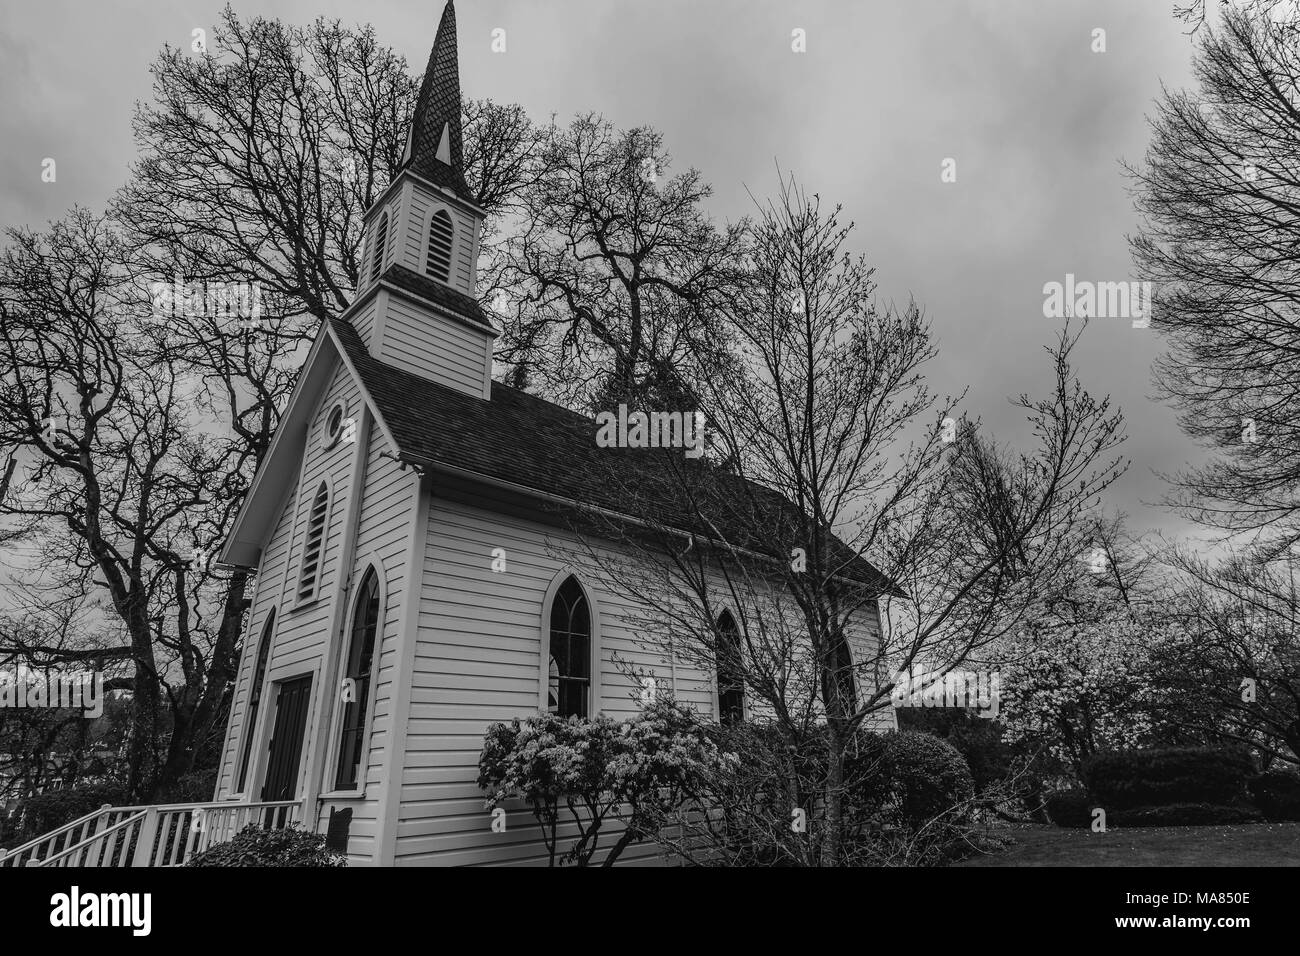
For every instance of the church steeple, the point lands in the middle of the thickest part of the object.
(415, 307)
(433, 147)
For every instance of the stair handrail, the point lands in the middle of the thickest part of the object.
(98, 835)
(59, 831)
(134, 813)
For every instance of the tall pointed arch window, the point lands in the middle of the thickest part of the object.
(360, 663)
(255, 697)
(381, 240)
(313, 549)
(845, 673)
(568, 692)
(731, 682)
(441, 235)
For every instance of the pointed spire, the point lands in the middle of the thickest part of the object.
(433, 146)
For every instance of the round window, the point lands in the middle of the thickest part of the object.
(334, 424)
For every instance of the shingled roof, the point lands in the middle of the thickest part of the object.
(525, 441)
(437, 110)
(458, 303)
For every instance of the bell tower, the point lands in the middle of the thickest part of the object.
(415, 306)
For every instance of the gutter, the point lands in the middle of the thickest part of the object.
(420, 462)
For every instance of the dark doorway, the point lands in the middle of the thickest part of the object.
(282, 763)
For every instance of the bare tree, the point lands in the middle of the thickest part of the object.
(139, 401)
(615, 277)
(119, 482)
(828, 454)
(1218, 193)
(1227, 659)
(1196, 13)
(46, 746)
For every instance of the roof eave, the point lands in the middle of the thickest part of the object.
(442, 467)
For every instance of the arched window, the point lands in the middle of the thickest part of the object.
(255, 698)
(441, 232)
(361, 656)
(309, 572)
(381, 238)
(569, 672)
(844, 672)
(731, 682)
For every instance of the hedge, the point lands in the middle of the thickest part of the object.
(1128, 780)
(1277, 794)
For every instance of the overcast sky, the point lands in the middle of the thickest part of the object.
(1010, 89)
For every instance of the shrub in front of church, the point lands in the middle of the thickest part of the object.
(609, 778)
(919, 778)
(903, 801)
(254, 846)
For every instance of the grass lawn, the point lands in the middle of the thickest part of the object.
(1260, 844)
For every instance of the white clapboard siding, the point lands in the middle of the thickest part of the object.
(478, 661)
(267, 596)
(434, 346)
(302, 635)
(415, 246)
(363, 320)
(384, 526)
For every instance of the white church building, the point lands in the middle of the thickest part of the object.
(381, 641)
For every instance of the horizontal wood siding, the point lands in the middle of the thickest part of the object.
(434, 346)
(299, 637)
(478, 661)
(302, 638)
(387, 507)
(265, 597)
(415, 247)
(363, 320)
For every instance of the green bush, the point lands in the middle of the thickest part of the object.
(651, 763)
(1128, 780)
(1070, 808)
(254, 846)
(978, 739)
(1277, 794)
(1187, 815)
(916, 774)
(43, 812)
(1016, 769)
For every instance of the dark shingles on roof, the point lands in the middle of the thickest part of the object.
(438, 108)
(524, 440)
(458, 303)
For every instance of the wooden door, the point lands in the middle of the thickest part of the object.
(284, 760)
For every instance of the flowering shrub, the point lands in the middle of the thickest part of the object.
(1082, 691)
(596, 769)
(254, 846)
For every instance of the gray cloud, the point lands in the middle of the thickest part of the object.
(1009, 88)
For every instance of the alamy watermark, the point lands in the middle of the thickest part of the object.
(1098, 300)
(235, 302)
(979, 690)
(626, 429)
(23, 687)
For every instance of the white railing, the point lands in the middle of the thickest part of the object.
(148, 835)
